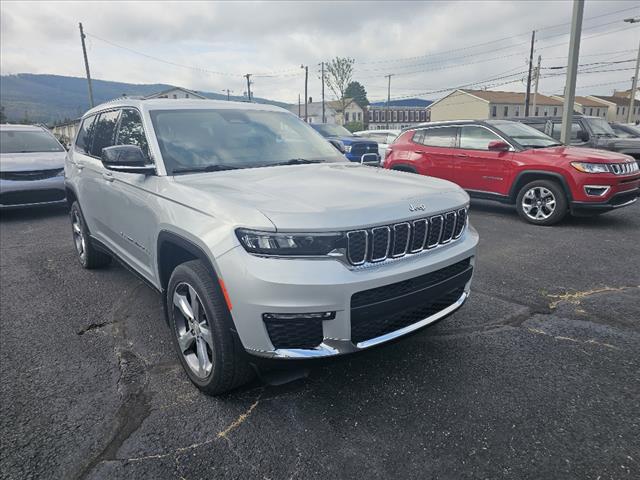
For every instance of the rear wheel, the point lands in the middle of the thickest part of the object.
(542, 202)
(201, 323)
(88, 256)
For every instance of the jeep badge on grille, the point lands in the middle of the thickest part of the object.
(414, 208)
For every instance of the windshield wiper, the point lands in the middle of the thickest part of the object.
(294, 161)
(207, 168)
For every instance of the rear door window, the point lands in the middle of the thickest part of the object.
(440, 137)
(105, 129)
(85, 134)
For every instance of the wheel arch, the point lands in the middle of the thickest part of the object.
(528, 176)
(403, 167)
(172, 250)
(70, 195)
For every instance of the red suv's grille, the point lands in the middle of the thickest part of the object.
(391, 241)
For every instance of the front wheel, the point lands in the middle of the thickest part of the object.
(88, 256)
(542, 202)
(201, 324)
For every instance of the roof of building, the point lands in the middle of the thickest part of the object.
(337, 104)
(584, 101)
(185, 90)
(620, 101)
(314, 109)
(516, 98)
(407, 102)
(21, 127)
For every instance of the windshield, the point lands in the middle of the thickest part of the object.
(525, 135)
(330, 130)
(626, 131)
(197, 139)
(600, 127)
(15, 141)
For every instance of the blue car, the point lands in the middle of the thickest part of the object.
(354, 147)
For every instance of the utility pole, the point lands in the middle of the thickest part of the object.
(306, 97)
(228, 93)
(388, 98)
(572, 71)
(299, 112)
(634, 87)
(248, 77)
(86, 65)
(535, 89)
(324, 118)
(526, 100)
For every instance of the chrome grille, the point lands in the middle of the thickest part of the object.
(393, 241)
(623, 168)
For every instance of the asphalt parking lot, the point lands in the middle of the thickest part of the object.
(537, 376)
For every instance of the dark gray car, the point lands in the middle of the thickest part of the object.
(31, 167)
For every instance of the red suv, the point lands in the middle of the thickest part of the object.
(517, 164)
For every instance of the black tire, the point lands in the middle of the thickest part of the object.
(555, 192)
(88, 255)
(229, 363)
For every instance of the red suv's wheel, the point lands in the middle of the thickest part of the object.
(542, 202)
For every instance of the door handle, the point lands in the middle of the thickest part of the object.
(462, 155)
(108, 177)
(418, 152)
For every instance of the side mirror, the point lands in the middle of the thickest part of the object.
(127, 159)
(370, 159)
(498, 146)
(338, 144)
(583, 136)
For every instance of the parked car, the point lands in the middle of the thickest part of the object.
(354, 147)
(625, 130)
(516, 164)
(592, 132)
(384, 138)
(262, 239)
(31, 167)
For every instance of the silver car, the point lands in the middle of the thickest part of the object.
(263, 241)
(31, 167)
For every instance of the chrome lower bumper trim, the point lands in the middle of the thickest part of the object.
(331, 347)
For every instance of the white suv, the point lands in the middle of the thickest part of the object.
(263, 240)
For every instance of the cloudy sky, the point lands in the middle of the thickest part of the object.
(429, 47)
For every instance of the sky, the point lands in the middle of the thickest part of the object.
(429, 47)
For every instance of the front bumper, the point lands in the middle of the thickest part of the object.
(358, 158)
(32, 193)
(258, 285)
(616, 200)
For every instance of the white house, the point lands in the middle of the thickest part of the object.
(176, 92)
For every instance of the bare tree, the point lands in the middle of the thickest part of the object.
(338, 75)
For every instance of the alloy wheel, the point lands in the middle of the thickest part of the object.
(78, 235)
(538, 203)
(192, 330)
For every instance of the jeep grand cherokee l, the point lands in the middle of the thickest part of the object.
(263, 240)
(517, 164)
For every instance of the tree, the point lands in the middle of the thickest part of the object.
(356, 91)
(338, 74)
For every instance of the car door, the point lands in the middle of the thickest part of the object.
(477, 167)
(94, 175)
(433, 152)
(130, 203)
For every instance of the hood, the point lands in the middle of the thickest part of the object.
(580, 154)
(326, 197)
(23, 162)
(620, 144)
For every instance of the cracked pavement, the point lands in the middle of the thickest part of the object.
(537, 376)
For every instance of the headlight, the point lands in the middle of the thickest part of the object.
(289, 244)
(590, 167)
(347, 148)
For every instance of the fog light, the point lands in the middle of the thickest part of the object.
(299, 316)
(596, 190)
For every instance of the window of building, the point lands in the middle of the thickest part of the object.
(505, 111)
(370, 116)
(537, 112)
(346, 116)
(591, 111)
(545, 112)
(377, 116)
(383, 116)
(517, 111)
(494, 111)
(175, 96)
(395, 116)
(359, 116)
(623, 110)
(105, 130)
(423, 116)
(476, 138)
(406, 115)
(555, 111)
(618, 111)
(187, 95)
